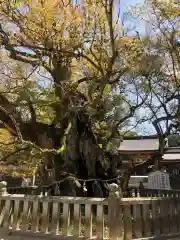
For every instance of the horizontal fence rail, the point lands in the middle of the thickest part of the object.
(91, 218)
(49, 190)
(145, 192)
(31, 190)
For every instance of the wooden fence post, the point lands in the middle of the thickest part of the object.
(115, 212)
(4, 221)
(3, 188)
(141, 189)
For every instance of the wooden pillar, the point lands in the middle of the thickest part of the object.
(115, 222)
(3, 188)
(141, 189)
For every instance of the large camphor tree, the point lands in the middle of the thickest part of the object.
(72, 114)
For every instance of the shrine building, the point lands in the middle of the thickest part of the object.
(137, 150)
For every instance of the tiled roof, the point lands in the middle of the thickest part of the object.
(173, 156)
(139, 137)
(137, 145)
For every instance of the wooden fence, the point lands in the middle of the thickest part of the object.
(130, 192)
(145, 192)
(31, 190)
(89, 218)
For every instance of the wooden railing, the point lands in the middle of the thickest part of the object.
(126, 218)
(34, 190)
(48, 190)
(31, 190)
(139, 192)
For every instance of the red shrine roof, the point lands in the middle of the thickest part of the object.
(139, 144)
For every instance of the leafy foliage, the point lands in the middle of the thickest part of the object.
(73, 80)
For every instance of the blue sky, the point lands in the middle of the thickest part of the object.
(140, 26)
(144, 128)
(127, 2)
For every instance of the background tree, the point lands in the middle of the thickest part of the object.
(159, 69)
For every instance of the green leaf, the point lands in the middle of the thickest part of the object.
(100, 145)
(108, 147)
(178, 87)
(77, 183)
(145, 86)
(107, 89)
(16, 4)
(61, 149)
(68, 128)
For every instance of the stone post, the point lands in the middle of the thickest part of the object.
(115, 212)
(3, 188)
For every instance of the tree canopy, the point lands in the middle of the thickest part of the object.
(73, 76)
